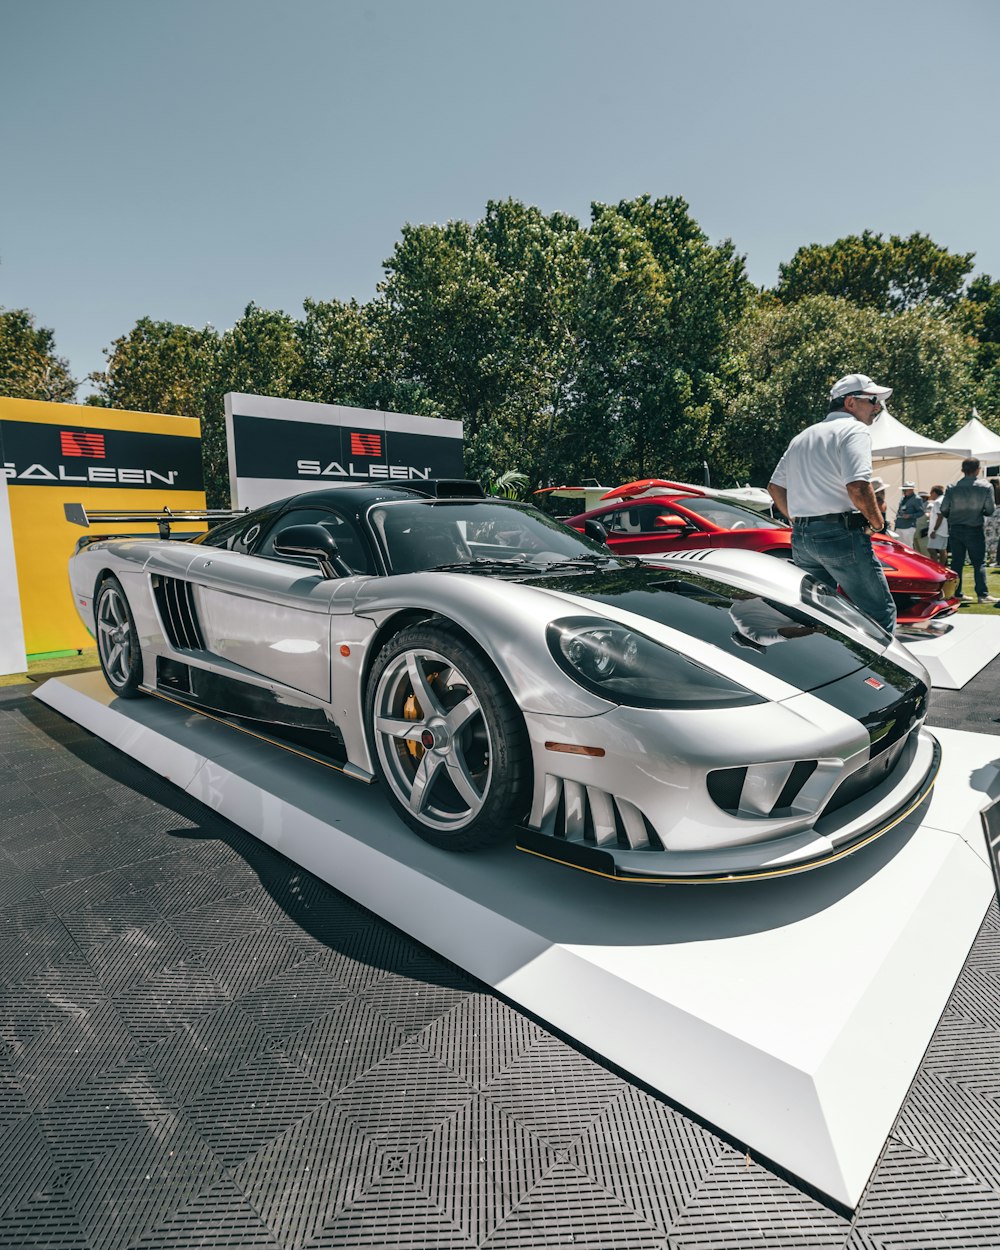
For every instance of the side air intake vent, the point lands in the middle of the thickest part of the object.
(175, 601)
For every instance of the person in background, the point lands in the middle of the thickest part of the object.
(966, 503)
(922, 527)
(911, 507)
(823, 485)
(937, 539)
(878, 486)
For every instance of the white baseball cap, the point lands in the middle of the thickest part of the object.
(858, 384)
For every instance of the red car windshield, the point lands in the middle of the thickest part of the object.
(728, 516)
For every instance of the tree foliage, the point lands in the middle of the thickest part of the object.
(651, 327)
(978, 315)
(625, 347)
(29, 366)
(786, 357)
(890, 275)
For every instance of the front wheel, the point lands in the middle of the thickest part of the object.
(117, 640)
(447, 739)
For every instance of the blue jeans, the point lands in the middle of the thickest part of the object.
(844, 558)
(969, 540)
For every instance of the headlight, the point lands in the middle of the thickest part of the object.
(625, 667)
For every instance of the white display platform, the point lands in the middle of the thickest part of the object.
(791, 1014)
(954, 658)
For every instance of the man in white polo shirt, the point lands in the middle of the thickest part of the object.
(823, 485)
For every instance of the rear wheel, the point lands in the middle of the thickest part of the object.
(117, 640)
(448, 740)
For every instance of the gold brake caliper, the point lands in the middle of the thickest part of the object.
(412, 711)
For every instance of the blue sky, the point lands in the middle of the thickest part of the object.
(179, 159)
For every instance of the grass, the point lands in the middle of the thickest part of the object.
(992, 585)
(58, 663)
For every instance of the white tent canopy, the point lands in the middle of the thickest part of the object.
(891, 439)
(976, 439)
(930, 463)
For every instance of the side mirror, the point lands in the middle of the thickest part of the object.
(315, 542)
(676, 523)
(596, 531)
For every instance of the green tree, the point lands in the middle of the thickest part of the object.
(654, 315)
(890, 275)
(784, 358)
(29, 366)
(479, 317)
(978, 315)
(160, 366)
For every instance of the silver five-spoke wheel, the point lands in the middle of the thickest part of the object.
(447, 738)
(117, 643)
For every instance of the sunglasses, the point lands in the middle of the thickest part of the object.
(869, 399)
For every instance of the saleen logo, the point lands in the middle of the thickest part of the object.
(82, 443)
(366, 444)
(397, 472)
(96, 475)
(874, 683)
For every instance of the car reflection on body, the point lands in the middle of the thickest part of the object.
(715, 717)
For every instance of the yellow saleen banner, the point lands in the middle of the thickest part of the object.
(104, 458)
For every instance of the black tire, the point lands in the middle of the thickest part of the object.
(447, 738)
(117, 640)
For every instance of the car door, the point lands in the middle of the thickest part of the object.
(633, 529)
(270, 615)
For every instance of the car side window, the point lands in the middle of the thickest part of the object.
(241, 533)
(351, 543)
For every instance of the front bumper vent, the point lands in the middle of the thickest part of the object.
(589, 816)
(772, 791)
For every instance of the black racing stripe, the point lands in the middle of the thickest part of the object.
(794, 645)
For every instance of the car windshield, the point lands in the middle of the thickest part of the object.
(431, 534)
(728, 516)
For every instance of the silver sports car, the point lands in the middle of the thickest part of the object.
(713, 715)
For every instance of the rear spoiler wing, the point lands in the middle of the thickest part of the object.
(77, 514)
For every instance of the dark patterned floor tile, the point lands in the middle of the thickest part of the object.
(917, 1203)
(67, 896)
(568, 1208)
(136, 955)
(168, 1001)
(134, 1188)
(302, 1178)
(295, 999)
(105, 1112)
(652, 1157)
(555, 1091)
(201, 1052)
(402, 1099)
(218, 1218)
(242, 964)
(944, 1120)
(252, 1105)
(216, 924)
(424, 991)
(109, 918)
(477, 1166)
(45, 1221)
(341, 1046)
(740, 1204)
(25, 1162)
(479, 1038)
(73, 1052)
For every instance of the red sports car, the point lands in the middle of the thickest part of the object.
(645, 518)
